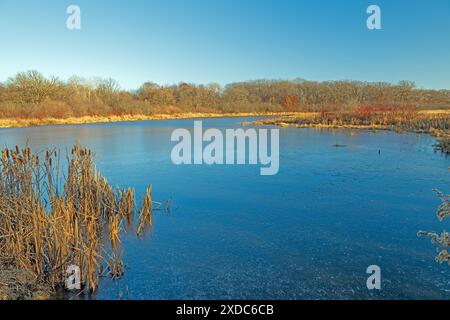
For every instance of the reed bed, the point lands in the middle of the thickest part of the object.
(396, 118)
(414, 122)
(50, 220)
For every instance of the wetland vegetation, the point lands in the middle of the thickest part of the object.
(29, 98)
(52, 218)
(56, 210)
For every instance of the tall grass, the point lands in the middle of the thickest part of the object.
(401, 117)
(50, 220)
(385, 117)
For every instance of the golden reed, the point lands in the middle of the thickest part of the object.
(49, 221)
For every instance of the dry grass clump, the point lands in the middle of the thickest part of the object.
(145, 213)
(401, 117)
(49, 221)
(443, 145)
(442, 240)
(22, 284)
(27, 122)
(395, 117)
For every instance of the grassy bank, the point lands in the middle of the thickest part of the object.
(434, 122)
(50, 220)
(287, 118)
(25, 122)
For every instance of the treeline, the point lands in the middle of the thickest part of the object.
(31, 95)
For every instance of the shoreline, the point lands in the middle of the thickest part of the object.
(6, 123)
(439, 131)
(36, 122)
(22, 284)
(284, 122)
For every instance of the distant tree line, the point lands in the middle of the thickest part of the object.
(31, 95)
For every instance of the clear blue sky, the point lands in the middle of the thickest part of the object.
(201, 41)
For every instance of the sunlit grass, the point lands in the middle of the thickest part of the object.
(50, 219)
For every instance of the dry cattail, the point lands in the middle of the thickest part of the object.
(70, 230)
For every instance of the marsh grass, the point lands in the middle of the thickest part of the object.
(396, 118)
(50, 220)
(145, 213)
(408, 119)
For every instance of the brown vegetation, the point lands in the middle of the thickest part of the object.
(30, 95)
(443, 144)
(399, 117)
(442, 240)
(49, 221)
(21, 122)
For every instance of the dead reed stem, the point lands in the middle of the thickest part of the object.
(46, 224)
